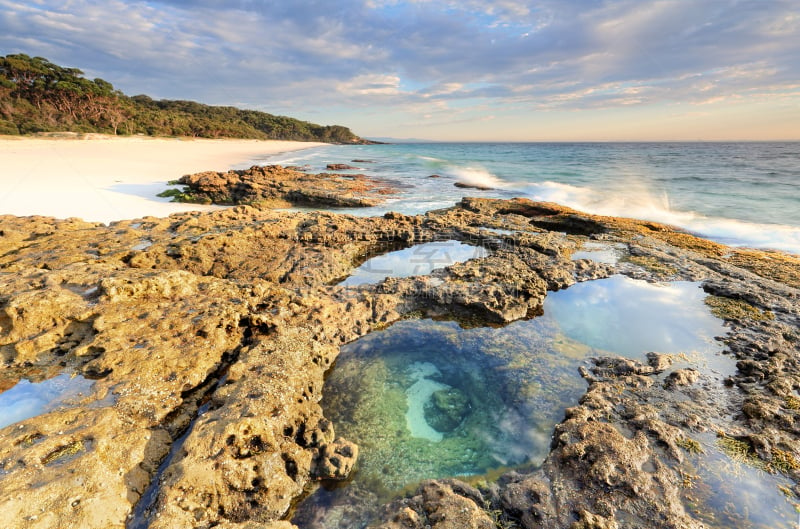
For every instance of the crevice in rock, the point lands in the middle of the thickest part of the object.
(179, 424)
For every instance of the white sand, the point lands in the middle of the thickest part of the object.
(106, 178)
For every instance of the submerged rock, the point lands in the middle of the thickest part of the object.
(446, 409)
(336, 460)
(465, 185)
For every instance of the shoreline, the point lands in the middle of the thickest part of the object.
(101, 178)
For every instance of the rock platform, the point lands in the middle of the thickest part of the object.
(208, 336)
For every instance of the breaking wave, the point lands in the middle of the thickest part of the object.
(637, 202)
(476, 176)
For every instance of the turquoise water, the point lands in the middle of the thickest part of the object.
(737, 193)
(427, 399)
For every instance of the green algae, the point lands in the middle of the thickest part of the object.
(652, 264)
(736, 309)
(496, 393)
(727, 485)
(64, 452)
(690, 445)
(741, 450)
(783, 461)
(792, 403)
(446, 408)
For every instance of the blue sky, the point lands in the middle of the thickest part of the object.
(450, 70)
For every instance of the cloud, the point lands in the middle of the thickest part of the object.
(551, 54)
(371, 84)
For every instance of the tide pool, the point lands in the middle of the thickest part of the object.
(29, 399)
(427, 399)
(417, 260)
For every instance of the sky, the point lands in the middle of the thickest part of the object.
(466, 70)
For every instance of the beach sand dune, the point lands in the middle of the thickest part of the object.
(106, 178)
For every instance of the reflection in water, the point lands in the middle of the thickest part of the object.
(427, 399)
(600, 252)
(628, 317)
(417, 260)
(726, 491)
(27, 399)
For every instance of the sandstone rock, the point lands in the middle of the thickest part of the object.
(336, 460)
(528, 500)
(659, 362)
(682, 377)
(276, 186)
(223, 325)
(447, 504)
(593, 521)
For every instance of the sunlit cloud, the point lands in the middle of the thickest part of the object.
(311, 57)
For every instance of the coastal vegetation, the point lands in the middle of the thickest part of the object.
(37, 95)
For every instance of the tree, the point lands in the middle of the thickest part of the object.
(37, 95)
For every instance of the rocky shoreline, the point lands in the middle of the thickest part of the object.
(275, 186)
(208, 337)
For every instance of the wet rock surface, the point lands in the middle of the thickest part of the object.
(212, 333)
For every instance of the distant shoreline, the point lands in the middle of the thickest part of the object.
(104, 178)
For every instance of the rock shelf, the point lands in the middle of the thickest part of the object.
(236, 312)
(277, 186)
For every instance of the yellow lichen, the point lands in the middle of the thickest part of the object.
(29, 439)
(784, 268)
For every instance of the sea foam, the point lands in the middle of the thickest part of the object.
(640, 203)
(476, 176)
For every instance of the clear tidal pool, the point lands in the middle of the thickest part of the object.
(600, 252)
(29, 399)
(417, 260)
(427, 399)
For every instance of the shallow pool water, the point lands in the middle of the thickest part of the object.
(29, 399)
(427, 399)
(600, 252)
(725, 489)
(420, 259)
(628, 317)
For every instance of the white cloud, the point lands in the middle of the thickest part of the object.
(371, 85)
(281, 56)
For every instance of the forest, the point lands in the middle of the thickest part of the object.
(39, 96)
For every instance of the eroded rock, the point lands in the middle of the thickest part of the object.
(223, 325)
(277, 186)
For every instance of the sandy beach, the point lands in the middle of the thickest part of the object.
(106, 178)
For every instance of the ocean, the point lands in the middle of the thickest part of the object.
(740, 194)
